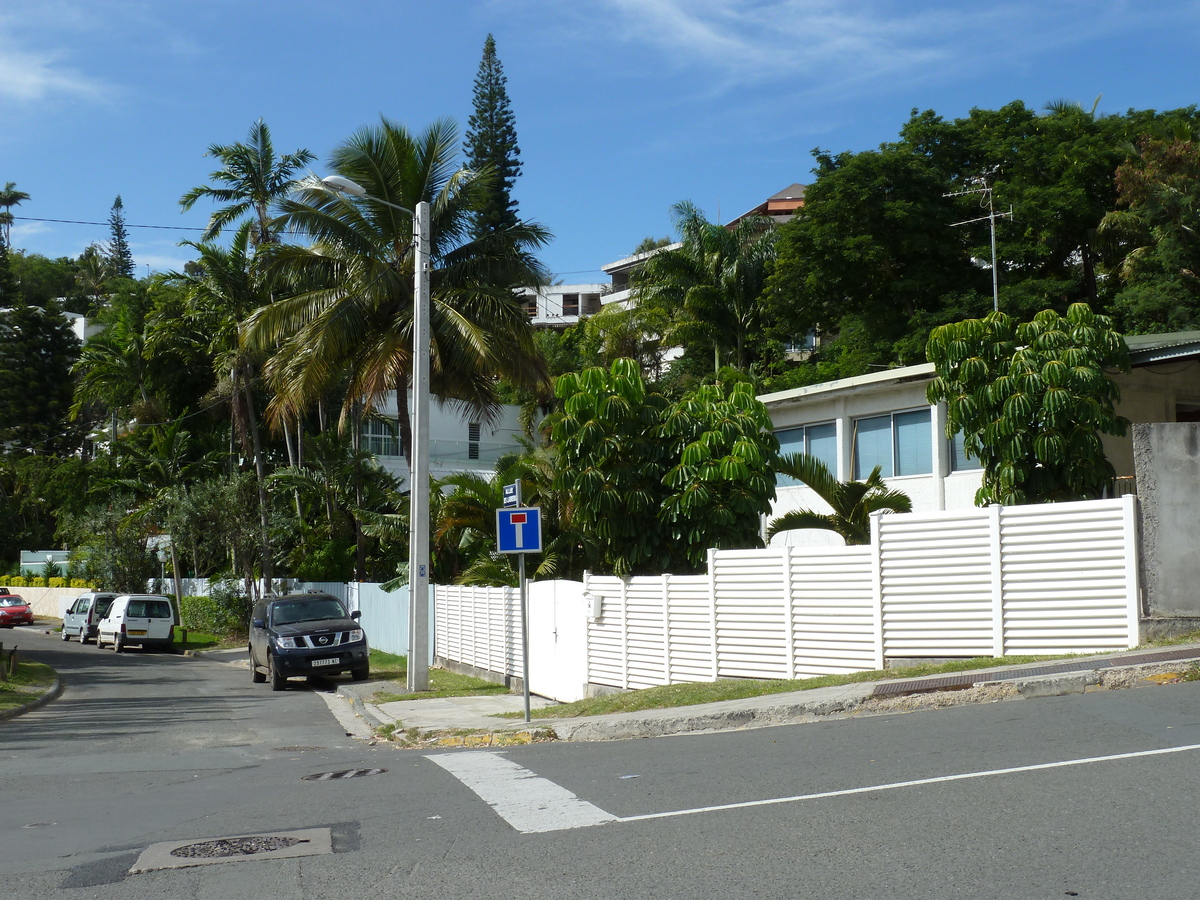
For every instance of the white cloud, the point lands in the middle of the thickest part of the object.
(843, 42)
(24, 231)
(27, 76)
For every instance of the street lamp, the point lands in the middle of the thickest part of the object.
(418, 465)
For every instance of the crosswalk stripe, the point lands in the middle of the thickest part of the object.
(528, 802)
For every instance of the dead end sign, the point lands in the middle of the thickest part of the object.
(519, 530)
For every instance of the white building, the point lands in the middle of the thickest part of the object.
(883, 418)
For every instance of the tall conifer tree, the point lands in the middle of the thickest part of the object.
(119, 255)
(491, 141)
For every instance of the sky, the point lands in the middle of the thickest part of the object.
(623, 107)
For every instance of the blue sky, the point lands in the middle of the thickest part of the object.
(623, 107)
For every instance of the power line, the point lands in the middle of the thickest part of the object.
(106, 224)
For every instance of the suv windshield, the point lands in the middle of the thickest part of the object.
(307, 611)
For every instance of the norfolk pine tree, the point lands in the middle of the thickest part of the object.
(120, 257)
(491, 143)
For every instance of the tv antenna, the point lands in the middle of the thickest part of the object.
(990, 218)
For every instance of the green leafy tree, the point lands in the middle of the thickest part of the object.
(654, 485)
(1155, 232)
(710, 285)
(37, 350)
(490, 145)
(109, 546)
(120, 257)
(9, 292)
(1032, 400)
(722, 481)
(851, 502)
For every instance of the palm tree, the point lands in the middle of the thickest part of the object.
(9, 197)
(221, 295)
(350, 309)
(253, 179)
(710, 284)
(852, 502)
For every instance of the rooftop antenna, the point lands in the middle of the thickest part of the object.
(991, 217)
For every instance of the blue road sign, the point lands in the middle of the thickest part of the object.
(519, 530)
(512, 494)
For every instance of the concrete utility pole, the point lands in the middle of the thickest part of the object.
(418, 468)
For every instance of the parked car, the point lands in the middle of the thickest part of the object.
(14, 611)
(305, 634)
(143, 619)
(84, 615)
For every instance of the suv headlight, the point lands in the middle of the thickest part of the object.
(287, 643)
(356, 635)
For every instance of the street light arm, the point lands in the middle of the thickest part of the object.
(339, 185)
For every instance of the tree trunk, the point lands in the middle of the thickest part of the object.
(360, 541)
(260, 470)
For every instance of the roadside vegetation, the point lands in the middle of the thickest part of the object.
(26, 683)
(393, 670)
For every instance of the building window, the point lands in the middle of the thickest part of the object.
(815, 440)
(473, 441)
(570, 304)
(899, 443)
(959, 461)
(379, 438)
(591, 304)
(531, 305)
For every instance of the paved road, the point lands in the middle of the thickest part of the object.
(153, 748)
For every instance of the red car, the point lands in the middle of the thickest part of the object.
(14, 611)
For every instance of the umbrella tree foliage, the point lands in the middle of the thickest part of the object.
(1032, 400)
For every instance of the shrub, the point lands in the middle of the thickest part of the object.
(17, 581)
(81, 583)
(58, 583)
(224, 611)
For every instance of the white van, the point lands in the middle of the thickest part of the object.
(144, 619)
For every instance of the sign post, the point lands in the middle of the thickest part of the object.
(519, 531)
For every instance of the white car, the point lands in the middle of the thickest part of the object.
(143, 619)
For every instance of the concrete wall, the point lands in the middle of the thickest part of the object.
(1167, 461)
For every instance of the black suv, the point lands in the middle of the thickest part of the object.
(305, 634)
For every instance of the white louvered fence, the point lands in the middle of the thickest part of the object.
(1047, 579)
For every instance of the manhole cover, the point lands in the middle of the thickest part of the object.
(347, 773)
(296, 749)
(242, 846)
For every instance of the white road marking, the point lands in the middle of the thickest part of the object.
(528, 802)
(903, 784)
(533, 804)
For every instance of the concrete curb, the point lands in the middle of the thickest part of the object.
(360, 707)
(733, 715)
(55, 690)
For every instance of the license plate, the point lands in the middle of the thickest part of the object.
(325, 662)
(136, 631)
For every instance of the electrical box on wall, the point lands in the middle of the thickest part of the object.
(595, 604)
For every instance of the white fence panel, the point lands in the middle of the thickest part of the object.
(689, 629)
(833, 611)
(1069, 576)
(480, 627)
(607, 637)
(753, 632)
(936, 580)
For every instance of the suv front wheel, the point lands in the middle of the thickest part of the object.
(278, 680)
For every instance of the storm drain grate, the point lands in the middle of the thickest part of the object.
(345, 773)
(963, 680)
(296, 749)
(242, 846)
(273, 845)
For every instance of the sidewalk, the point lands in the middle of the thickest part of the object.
(477, 714)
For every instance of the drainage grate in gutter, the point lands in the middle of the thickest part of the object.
(273, 845)
(962, 680)
(347, 773)
(296, 749)
(242, 846)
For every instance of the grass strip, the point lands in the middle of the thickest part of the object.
(672, 695)
(26, 684)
